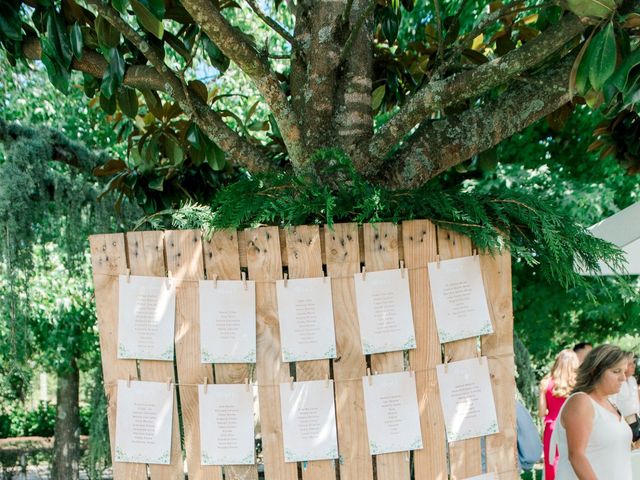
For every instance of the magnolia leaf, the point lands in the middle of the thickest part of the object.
(76, 41)
(113, 75)
(218, 59)
(601, 56)
(110, 168)
(128, 101)
(620, 78)
(108, 36)
(377, 96)
(390, 25)
(215, 157)
(156, 7)
(195, 137)
(578, 78)
(200, 89)
(592, 8)
(120, 5)
(154, 104)
(632, 20)
(157, 184)
(147, 19)
(108, 104)
(59, 39)
(173, 150)
(58, 76)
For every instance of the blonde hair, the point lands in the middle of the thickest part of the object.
(564, 372)
(599, 360)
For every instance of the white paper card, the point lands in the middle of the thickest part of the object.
(227, 321)
(144, 418)
(459, 299)
(393, 420)
(146, 317)
(484, 476)
(305, 311)
(226, 425)
(308, 421)
(467, 399)
(384, 311)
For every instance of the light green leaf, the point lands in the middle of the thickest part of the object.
(377, 96)
(147, 19)
(592, 8)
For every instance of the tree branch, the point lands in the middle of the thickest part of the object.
(94, 64)
(63, 150)
(240, 151)
(355, 32)
(279, 29)
(437, 95)
(441, 144)
(235, 46)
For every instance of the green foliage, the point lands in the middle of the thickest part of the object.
(526, 381)
(15, 421)
(535, 231)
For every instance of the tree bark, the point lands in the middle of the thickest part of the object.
(66, 446)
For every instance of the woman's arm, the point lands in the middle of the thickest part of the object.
(577, 419)
(542, 399)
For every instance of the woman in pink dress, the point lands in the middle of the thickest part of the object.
(555, 388)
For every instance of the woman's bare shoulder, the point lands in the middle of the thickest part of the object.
(577, 404)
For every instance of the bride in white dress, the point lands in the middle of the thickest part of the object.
(594, 441)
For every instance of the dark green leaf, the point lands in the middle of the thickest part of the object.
(592, 8)
(157, 184)
(114, 74)
(173, 150)
(601, 56)
(108, 104)
(58, 76)
(120, 5)
(390, 25)
(108, 36)
(89, 85)
(10, 23)
(215, 157)
(156, 7)
(128, 101)
(195, 137)
(621, 75)
(177, 45)
(154, 104)
(452, 25)
(59, 38)
(218, 59)
(76, 41)
(408, 5)
(148, 20)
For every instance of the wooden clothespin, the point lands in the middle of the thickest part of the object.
(129, 381)
(402, 268)
(246, 384)
(206, 384)
(364, 273)
(326, 382)
(168, 280)
(128, 275)
(480, 358)
(291, 383)
(446, 364)
(369, 376)
(438, 261)
(475, 254)
(286, 279)
(412, 373)
(168, 384)
(243, 275)
(215, 280)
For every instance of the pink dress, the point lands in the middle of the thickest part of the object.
(553, 409)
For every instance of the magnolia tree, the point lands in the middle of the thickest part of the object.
(406, 91)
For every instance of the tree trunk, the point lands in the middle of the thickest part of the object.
(66, 446)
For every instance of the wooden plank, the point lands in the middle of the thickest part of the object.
(184, 261)
(305, 261)
(146, 257)
(108, 258)
(465, 455)
(420, 248)
(381, 253)
(501, 449)
(265, 266)
(221, 258)
(323, 233)
(343, 261)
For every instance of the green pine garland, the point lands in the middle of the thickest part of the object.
(534, 230)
